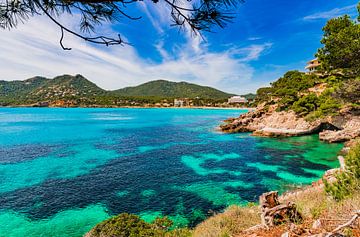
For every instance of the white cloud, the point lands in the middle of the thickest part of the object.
(254, 38)
(33, 49)
(158, 15)
(336, 12)
(251, 52)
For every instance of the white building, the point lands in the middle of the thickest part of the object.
(179, 103)
(237, 99)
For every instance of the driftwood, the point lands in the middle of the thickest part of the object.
(273, 213)
(347, 224)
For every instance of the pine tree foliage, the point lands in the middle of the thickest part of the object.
(196, 15)
(349, 180)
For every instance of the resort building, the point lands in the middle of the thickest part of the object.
(237, 100)
(178, 103)
(313, 65)
(182, 102)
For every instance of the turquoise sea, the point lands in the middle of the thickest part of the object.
(64, 170)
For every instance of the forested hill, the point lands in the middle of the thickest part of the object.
(41, 88)
(76, 90)
(163, 88)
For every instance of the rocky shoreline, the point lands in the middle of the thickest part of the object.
(344, 127)
(270, 123)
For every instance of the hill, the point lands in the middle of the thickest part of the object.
(41, 88)
(66, 86)
(18, 89)
(67, 90)
(168, 89)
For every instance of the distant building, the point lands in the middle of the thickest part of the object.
(178, 103)
(313, 65)
(237, 100)
(182, 102)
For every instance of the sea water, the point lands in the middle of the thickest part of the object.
(62, 171)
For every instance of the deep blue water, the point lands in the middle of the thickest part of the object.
(64, 170)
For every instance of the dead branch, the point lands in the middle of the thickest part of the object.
(349, 223)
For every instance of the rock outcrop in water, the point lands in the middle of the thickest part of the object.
(270, 123)
(349, 130)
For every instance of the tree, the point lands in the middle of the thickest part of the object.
(350, 91)
(341, 42)
(197, 15)
(323, 105)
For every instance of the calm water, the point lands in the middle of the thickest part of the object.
(64, 170)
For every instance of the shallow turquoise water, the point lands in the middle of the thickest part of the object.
(64, 170)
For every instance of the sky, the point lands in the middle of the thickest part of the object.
(265, 40)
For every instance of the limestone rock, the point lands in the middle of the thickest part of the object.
(350, 130)
(269, 123)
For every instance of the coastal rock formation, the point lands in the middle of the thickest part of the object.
(349, 131)
(270, 123)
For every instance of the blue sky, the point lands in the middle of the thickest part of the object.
(266, 39)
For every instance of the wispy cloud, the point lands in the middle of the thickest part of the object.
(158, 15)
(336, 12)
(33, 49)
(251, 52)
(254, 38)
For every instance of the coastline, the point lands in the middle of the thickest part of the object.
(133, 107)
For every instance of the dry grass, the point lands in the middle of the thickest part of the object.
(315, 204)
(229, 223)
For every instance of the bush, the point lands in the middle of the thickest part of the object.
(350, 91)
(306, 104)
(129, 225)
(349, 180)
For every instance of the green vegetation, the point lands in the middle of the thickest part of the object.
(341, 45)
(38, 89)
(334, 85)
(130, 225)
(168, 89)
(347, 182)
(232, 221)
(71, 91)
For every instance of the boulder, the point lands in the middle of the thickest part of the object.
(339, 136)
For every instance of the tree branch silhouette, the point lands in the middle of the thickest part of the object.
(196, 15)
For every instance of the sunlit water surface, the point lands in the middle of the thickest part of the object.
(64, 170)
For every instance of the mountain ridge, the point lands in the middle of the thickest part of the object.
(78, 88)
(172, 89)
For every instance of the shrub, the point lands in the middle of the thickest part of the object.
(306, 104)
(349, 180)
(129, 225)
(350, 91)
